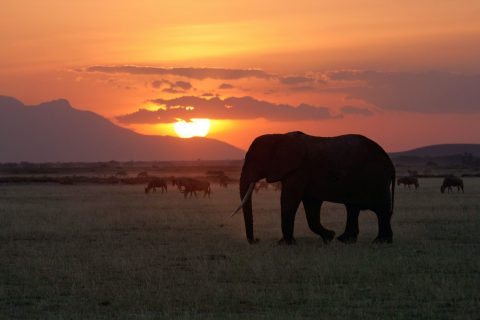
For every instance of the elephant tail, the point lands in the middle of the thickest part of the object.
(393, 194)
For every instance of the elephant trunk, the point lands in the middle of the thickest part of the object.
(246, 188)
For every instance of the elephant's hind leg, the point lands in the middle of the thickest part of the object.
(351, 229)
(312, 211)
(385, 234)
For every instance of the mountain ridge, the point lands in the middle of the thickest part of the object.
(440, 150)
(54, 131)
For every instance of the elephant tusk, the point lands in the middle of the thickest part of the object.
(245, 198)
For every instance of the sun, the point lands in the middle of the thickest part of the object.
(192, 128)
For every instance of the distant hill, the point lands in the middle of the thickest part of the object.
(56, 132)
(440, 150)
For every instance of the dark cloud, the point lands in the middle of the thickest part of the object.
(225, 86)
(293, 80)
(188, 107)
(183, 85)
(356, 111)
(428, 92)
(193, 73)
(159, 83)
(172, 87)
(173, 90)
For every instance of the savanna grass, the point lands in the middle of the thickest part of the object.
(98, 252)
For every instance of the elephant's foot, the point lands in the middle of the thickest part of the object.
(380, 240)
(327, 235)
(253, 241)
(287, 242)
(347, 238)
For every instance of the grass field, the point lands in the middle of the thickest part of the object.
(98, 252)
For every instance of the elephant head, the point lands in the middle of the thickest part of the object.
(273, 157)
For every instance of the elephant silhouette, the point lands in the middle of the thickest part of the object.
(349, 169)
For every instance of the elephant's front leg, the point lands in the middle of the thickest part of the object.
(351, 229)
(312, 211)
(290, 200)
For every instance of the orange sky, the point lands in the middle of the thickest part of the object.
(415, 80)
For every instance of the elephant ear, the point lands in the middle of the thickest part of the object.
(288, 154)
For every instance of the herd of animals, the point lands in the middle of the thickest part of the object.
(448, 183)
(190, 186)
(187, 186)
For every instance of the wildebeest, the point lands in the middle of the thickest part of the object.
(223, 181)
(180, 182)
(407, 181)
(156, 183)
(451, 181)
(191, 186)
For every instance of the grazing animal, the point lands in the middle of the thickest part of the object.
(451, 181)
(156, 183)
(223, 181)
(181, 182)
(348, 169)
(407, 181)
(192, 186)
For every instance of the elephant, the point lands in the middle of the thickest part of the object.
(451, 181)
(349, 169)
(277, 186)
(156, 183)
(261, 185)
(407, 181)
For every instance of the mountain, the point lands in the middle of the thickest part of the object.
(440, 150)
(56, 132)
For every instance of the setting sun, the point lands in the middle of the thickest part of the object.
(192, 128)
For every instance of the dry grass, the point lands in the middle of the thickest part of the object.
(93, 252)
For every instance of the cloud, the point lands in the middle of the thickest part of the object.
(157, 84)
(193, 73)
(183, 85)
(428, 92)
(293, 80)
(225, 86)
(172, 87)
(356, 111)
(188, 107)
